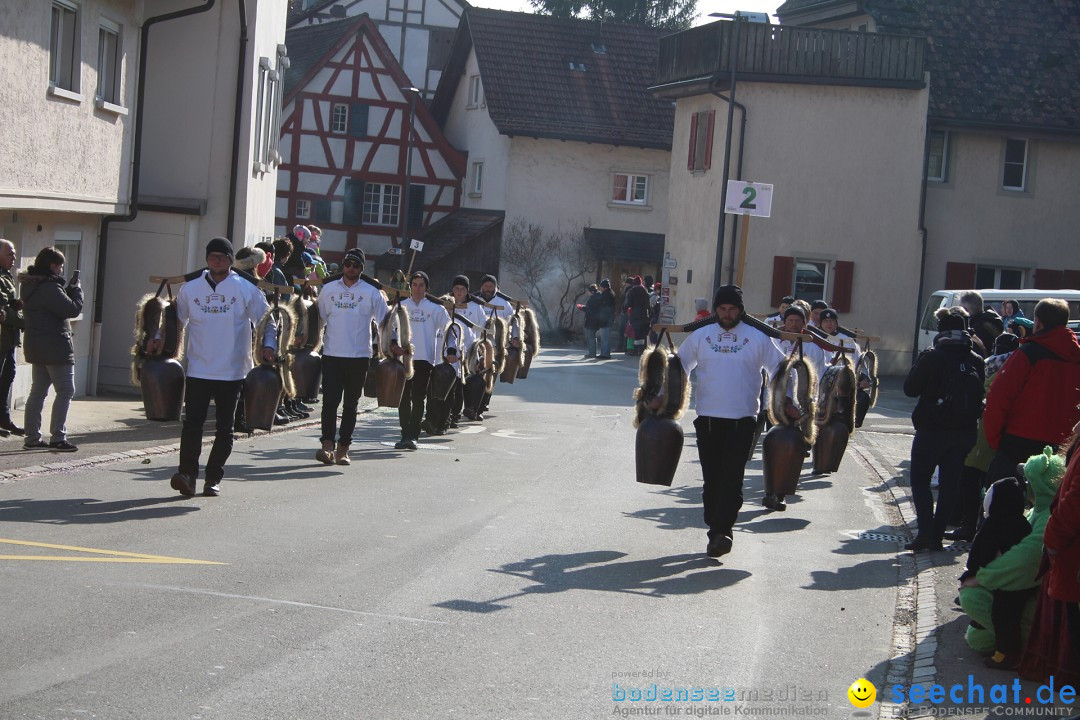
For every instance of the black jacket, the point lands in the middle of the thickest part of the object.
(928, 375)
(605, 314)
(47, 307)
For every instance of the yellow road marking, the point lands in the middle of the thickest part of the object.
(114, 555)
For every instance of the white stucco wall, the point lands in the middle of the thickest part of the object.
(846, 163)
(970, 219)
(57, 152)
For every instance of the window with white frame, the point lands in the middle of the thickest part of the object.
(1003, 278)
(811, 278)
(477, 178)
(109, 62)
(69, 243)
(630, 189)
(1014, 174)
(64, 46)
(339, 118)
(476, 93)
(938, 156)
(268, 111)
(303, 209)
(381, 204)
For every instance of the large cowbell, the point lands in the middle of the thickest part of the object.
(657, 449)
(782, 453)
(307, 373)
(390, 382)
(443, 377)
(262, 395)
(162, 383)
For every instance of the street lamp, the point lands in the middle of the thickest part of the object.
(412, 94)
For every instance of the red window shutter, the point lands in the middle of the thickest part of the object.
(843, 275)
(959, 276)
(1070, 280)
(693, 141)
(708, 139)
(1048, 279)
(783, 277)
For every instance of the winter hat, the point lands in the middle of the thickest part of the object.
(954, 318)
(420, 274)
(301, 233)
(460, 280)
(1047, 467)
(728, 295)
(795, 310)
(489, 279)
(605, 283)
(249, 258)
(357, 255)
(819, 305)
(1006, 343)
(701, 304)
(787, 299)
(826, 314)
(219, 245)
(1023, 322)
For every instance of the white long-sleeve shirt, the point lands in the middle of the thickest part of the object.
(814, 354)
(218, 319)
(729, 365)
(428, 321)
(347, 312)
(505, 309)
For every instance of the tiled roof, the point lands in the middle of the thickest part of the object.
(530, 89)
(308, 45)
(992, 62)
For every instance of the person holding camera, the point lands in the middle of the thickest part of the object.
(48, 304)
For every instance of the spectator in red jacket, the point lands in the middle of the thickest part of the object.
(1033, 400)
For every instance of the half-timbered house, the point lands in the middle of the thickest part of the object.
(362, 157)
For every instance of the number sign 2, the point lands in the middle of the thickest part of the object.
(748, 198)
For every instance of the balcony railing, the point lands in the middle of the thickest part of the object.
(787, 53)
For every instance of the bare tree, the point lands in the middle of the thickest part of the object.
(550, 267)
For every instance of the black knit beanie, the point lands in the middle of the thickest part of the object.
(460, 280)
(795, 310)
(420, 274)
(489, 279)
(355, 254)
(728, 295)
(219, 245)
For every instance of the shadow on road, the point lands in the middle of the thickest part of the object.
(598, 570)
(72, 511)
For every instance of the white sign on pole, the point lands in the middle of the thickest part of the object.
(416, 245)
(748, 198)
(394, 251)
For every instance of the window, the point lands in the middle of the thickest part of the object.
(339, 118)
(1015, 172)
(476, 94)
(701, 139)
(381, 203)
(477, 178)
(440, 41)
(630, 189)
(811, 278)
(109, 59)
(68, 242)
(999, 277)
(268, 111)
(938, 156)
(303, 209)
(64, 46)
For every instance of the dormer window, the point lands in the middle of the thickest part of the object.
(577, 66)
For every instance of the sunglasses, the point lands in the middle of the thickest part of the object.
(353, 263)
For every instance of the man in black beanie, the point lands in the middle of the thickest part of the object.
(729, 356)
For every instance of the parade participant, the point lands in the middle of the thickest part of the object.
(489, 293)
(729, 356)
(473, 315)
(11, 326)
(346, 307)
(219, 309)
(777, 318)
(815, 312)
(428, 321)
(795, 322)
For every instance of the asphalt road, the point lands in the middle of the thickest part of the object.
(512, 569)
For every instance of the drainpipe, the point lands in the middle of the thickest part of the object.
(733, 61)
(922, 255)
(738, 176)
(133, 199)
(238, 111)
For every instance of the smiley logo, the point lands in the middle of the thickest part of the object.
(862, 693)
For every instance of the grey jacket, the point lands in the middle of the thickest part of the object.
(47, 307)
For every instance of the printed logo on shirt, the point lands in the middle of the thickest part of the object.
(727, 342)
(345, 301)
(215, 304)
(418, 316)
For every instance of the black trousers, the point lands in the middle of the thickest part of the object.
(1012, 451)
(7, 377)
(411, 409)
(724, 447)
(197, 395)
(944, 449)
(1005, 613)
(342, 377)
(457, 400)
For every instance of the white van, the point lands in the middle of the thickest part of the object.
(993, 298)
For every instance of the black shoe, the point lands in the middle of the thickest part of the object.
(62, 446)
(469, 414)
(774, 502)
(409, 444)
(35, 445)
(1001, 661)
(212, 490)
(479, 417)
(453, 424)
(719, 547)
(4, 433)
(401, 444)
(302, 407)
(427, 427)
(964, 534)
(603, 357)
(182, 484)
(280, 419)
(921, 543)
(241, 427)
(437, 431)
(12, 428)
